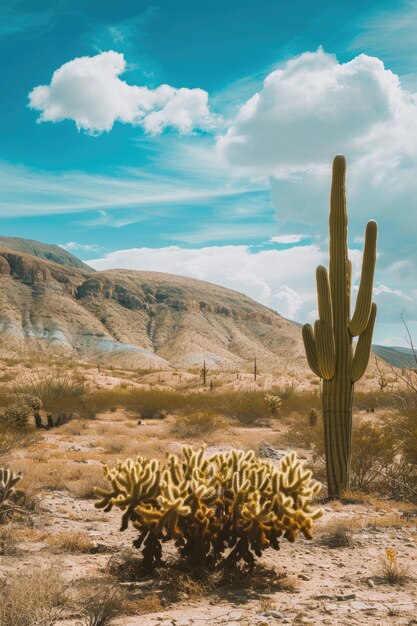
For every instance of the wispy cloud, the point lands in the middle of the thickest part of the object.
(73, 246)
(30, 23)
(25, 191)
(392, 35)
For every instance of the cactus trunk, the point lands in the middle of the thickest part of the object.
(329, 347)
(337, 418)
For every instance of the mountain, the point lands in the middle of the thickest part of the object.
(43, 251)
(135, 318)
(399, 357)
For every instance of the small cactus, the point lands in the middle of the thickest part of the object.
(8, 481)
(203, 373)
(274, 403)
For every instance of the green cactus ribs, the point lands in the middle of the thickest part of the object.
(329, 346)
(218, 510)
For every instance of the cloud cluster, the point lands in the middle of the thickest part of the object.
(314, 107)
(89, 91)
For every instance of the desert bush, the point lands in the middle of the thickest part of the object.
(374, 450)
(206, 505)
(338, 534)
(392, 572)
(56, 387)
(247, 407)
(285, 392)
(197, 424)
(100, 601)
(10, 439)
(32, 597)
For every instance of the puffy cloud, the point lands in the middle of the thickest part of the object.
(314, 107)
(89, 91)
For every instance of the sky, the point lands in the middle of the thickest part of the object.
(197, 137)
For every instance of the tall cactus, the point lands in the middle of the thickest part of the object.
(329, 347)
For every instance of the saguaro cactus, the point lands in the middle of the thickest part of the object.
(329, 347)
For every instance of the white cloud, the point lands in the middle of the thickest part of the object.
(73, 245)
(287, 239)
(89, 91)
(314, 107)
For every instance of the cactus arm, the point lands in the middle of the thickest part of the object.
(323, 328)
(363, 348)
(310, 348)
(364, 300)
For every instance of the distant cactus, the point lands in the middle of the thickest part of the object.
(329, 347)
(8, 481)
(274, 403)
(203, 373)
(313, 417)
(208, 505)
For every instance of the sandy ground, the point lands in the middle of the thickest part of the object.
(327, 586)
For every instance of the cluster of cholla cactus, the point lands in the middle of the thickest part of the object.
(274, 403)
(8, 481)
(329, 346)
(218, 510)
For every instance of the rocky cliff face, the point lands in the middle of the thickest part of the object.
(138, 318)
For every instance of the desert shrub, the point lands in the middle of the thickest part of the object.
(32, 597)
(208, 505)
(247, 407)
(374, 451)
(99, 601)
(197, 424)
(56, 387)
(392, 572)
(285, 392)
(338, 534)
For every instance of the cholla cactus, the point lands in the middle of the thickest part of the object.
(15, 415)
(208, 504)
(274, 403)
(8, 481)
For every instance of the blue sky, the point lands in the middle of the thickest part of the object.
(197, 137)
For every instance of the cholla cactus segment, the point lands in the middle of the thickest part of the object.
(207, 505)
(274, 403)
(8, 481)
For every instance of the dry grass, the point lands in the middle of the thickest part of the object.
(338, 533)
(100, 601)
(70, 542)
(37, 596)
